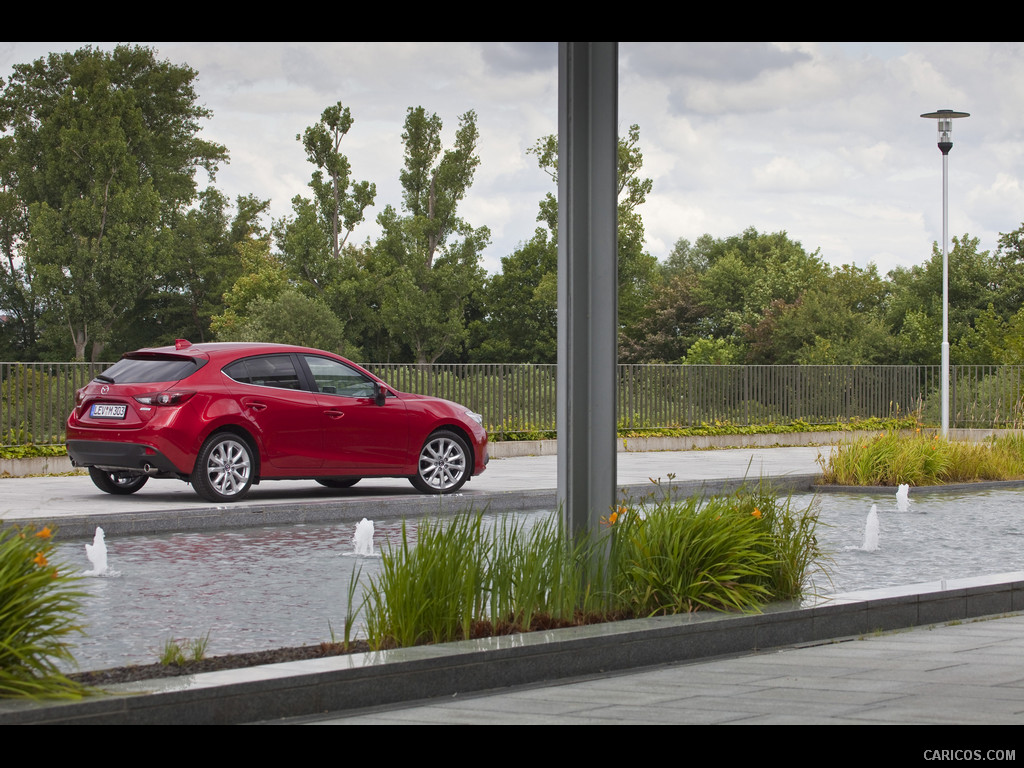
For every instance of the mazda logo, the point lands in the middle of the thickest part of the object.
(104, 389)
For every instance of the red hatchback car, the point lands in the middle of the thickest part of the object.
(225, 416)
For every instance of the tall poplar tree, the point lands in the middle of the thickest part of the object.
(430, 258)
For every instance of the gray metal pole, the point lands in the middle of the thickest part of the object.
(945, 295)
(945, 118)
(587, 281)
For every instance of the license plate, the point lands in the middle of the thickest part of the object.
(104, 411)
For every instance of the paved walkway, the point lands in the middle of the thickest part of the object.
(526, 482)
(968, 673)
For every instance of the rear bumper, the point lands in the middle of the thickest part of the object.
(112, 455)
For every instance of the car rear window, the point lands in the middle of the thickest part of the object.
(146, 370)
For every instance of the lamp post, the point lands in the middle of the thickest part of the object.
(945, 119)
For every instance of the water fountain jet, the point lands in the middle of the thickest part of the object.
(363, 538)
(903, 498)
(97, 554)
(871, 530)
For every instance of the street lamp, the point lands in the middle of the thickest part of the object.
(945, 119)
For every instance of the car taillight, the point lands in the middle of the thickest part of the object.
(79, 396)
(170, 397)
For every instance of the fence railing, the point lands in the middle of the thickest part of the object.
(35, 398)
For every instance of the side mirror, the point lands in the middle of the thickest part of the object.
(378, 394)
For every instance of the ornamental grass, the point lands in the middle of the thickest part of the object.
(892, 458)
(464, 578)
(39, 608)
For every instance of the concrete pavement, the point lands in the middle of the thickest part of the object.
(526, 482)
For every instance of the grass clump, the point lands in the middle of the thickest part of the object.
(464, 579)
(725, 552)
(39, 607)
(891, 459)
(179, 652)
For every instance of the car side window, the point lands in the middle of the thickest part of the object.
(266, 371)
(334, 378)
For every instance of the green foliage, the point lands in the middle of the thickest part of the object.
(519, 304)
(178, 652)
(993, 399)
(105, 149)
(204, 264)
(712, 352)
(992, 340)
(341, 207)
(15, 450)
(433, 591)
(426, 282)
(39, 606)
(892, 458)
(262, 279)
(637, 269)
(728, 428)
(669, 326)
(914, 308)
(512, 431)
(462, 579)
(678, 558)
(291, 318)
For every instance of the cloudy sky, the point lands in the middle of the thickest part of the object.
(823, 140)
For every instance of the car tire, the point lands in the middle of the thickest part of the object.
(224, 469)
(117, 483)
(338, 482)
(445, 463)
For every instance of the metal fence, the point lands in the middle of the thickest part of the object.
(35, 398)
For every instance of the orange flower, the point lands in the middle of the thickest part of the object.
(40, 560)
(756, 513)
(46, 533)
(614, 516)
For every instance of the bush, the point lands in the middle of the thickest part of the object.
(38, 610)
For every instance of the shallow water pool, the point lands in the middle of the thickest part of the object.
(282, 586)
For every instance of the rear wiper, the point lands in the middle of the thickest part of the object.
(107, 379)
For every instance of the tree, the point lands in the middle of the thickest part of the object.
(105, 150)
(262, 278)
(204, 264)
(20, 307)
(519, 306)
(739, 278)
(292, 318)
(668, 326)
(636, 267)
(341, 205)
(914, 311)
(427, 277)
(835, 321)
(686, 257)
